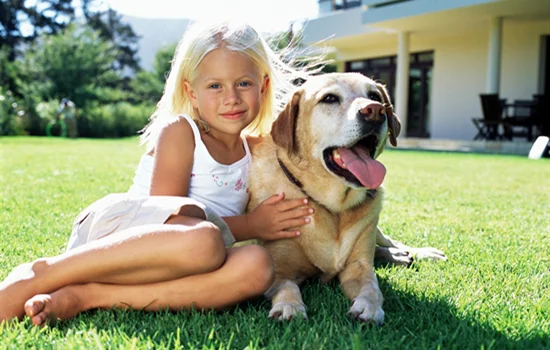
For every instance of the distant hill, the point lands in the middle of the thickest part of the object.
(155, 33)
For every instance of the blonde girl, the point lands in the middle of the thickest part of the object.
(163, 245)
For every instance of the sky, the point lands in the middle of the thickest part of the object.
(265, 15)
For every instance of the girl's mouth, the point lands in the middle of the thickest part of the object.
(233, 115)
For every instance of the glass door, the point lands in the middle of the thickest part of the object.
(419, 101)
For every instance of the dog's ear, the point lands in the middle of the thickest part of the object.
(395, 128)
(394, 125)
(283, 129)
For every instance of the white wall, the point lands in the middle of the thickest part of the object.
(460, 64)
(380, 49)
(521, 56)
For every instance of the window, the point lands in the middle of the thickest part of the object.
(344, 4)
(357, 65)
(426, 57)
(381, 62)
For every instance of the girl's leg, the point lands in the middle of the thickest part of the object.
(140, 255)
(248, 272)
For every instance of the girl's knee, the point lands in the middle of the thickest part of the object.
(210, 243)
(258, 269)
(203, 243)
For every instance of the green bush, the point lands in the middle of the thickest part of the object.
(44, 113)
(113, 120)
(47, 110)
(76, 64)
(11, 115)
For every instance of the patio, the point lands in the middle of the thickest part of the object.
(516, 147)
(503, 120)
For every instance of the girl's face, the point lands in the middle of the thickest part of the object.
(227, 91)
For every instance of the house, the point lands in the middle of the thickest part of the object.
(437, 56)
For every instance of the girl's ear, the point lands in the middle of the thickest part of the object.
(265, 84)
(190, 93)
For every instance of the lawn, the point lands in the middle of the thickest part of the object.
(490, 214)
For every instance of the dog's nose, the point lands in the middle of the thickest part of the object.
(373, 110)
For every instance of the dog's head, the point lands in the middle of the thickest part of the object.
(343, 120)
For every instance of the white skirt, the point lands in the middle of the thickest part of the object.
(120, 211)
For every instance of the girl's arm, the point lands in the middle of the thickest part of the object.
(239, 227)
(173, 160)
(274, 218)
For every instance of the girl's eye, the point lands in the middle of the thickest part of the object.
(244, 84)
(214, 86)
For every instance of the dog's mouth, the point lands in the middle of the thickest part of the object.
(356, 164)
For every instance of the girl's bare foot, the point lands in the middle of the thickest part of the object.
(17, 288)
(62, 304)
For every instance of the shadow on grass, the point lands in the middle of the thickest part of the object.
(411, 323)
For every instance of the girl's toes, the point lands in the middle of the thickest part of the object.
(35, 305)
(40, 319)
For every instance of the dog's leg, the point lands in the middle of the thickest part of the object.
(286, 300)
(397, 253)
(292, 267)
(360, 283)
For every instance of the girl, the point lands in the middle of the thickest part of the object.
(162, 244)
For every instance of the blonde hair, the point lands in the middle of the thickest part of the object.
(197, 42)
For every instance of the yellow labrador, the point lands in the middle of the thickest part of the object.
(324, 146)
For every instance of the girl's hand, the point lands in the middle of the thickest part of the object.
(277, 218)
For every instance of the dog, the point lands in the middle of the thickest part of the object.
(324, 146)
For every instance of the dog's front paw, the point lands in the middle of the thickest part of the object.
(366, 311)
(427, 253)
(287, 310)
(393, 255)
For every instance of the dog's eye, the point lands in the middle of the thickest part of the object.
(330, 98)
(375, 96)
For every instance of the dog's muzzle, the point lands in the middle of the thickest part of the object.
(371, 117)
(373, 112)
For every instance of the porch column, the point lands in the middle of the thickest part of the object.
(493, 57)
(402, 81)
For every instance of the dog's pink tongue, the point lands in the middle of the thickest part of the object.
(368, 171)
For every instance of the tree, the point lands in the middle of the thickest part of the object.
(23, 21)
(148, 86)
(76, 64)
(7, 69)
(111, 27)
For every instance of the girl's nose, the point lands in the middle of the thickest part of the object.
(232, 96)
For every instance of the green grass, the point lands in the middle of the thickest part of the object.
(490, 214)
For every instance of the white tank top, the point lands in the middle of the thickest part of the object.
(222, 188)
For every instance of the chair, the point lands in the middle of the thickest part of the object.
(521, 120)
(488, 126)
(541, 114)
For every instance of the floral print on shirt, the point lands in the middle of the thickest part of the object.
(238, 185)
